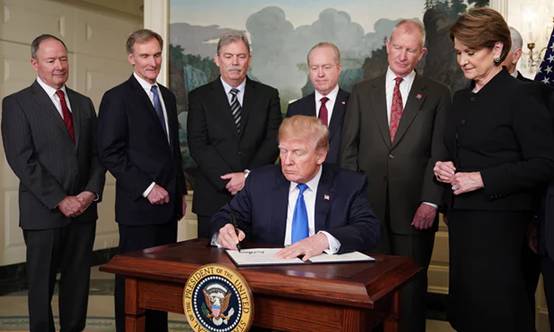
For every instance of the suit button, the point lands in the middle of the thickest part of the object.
(471, 98)
(391, 156)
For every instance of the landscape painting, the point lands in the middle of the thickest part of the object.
(282, 31)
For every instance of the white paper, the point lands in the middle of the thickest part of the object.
(266, 256)
(354, 256)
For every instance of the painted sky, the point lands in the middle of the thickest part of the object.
(233, 14)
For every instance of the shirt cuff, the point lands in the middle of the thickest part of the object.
(214, 242)
(148, 190)
(431, 204)
(334, 244)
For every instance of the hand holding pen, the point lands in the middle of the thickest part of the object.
(237, 230)
(230, 235)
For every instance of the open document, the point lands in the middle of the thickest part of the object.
(267, 256)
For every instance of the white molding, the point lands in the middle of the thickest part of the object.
(156, 18)
(501, 6)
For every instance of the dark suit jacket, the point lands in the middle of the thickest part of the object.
(132, 145)
(506, 134)
(546, 214)
(215, 145)
(341, 208)
(48, 164)
(402, 169)
(306, 106)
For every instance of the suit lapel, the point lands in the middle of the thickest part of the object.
(173, 126)
(280, 205)
(223, 108)
(46, 105)
(310, 104)
(338, 114)
(416, 97)
(248, 103)
(323, 198)
(379, 99)
(143, 99)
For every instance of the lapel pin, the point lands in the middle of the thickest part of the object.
(326, 197)
(343, 102)
(419, 96)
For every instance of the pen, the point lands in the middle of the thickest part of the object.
(234, 222)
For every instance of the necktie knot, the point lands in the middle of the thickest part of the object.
(235, 92)
(60, 94)
(324, 100)
(154, 89)
(398, 80)
(302, 187)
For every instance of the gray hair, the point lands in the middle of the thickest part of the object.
(35, 44)
(517, 41)
(325, 44)
(413, 24)
(142, 36)
(233, 37)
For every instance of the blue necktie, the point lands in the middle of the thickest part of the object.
(300, 217)
(158, 107)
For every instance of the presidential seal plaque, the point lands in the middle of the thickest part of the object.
(218, 299)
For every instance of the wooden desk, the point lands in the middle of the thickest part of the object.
(311, 297)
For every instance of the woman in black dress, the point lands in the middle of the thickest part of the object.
(500, 150)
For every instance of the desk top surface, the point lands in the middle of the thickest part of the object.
(358, 284)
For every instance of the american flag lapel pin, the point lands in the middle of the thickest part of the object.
(419, 96)
(326, 197)
(343, 102)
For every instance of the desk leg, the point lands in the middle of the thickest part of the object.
(134, 316)
(391, 321)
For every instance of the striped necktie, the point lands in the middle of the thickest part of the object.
(236, 109)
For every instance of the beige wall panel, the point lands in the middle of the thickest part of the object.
(13, 249)
(103, 35)
(94, 75)
(440, 250)
(188, 226)
(106, 228)
(45, 16)
(437, 279)
(132, 7)
(15, 67)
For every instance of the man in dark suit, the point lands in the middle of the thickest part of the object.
(328, 101)
(138, 142)
(49, 134)
(232, 128)
(305, 204)
(393, 132)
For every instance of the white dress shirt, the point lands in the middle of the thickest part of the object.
(310, 200)
(240, 95)
(405, 87)
(330, 104)
(51, 92)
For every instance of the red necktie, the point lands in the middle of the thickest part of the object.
(67, 117)
(323, 114)
(396, 109)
